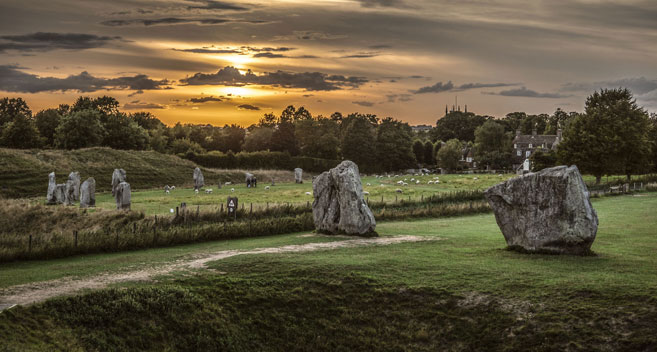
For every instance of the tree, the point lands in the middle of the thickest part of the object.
(20, 133)
(184, 146)
(121, 132)
(418, 150)
(359, 143)
(233, 138)
(492, 145)
(459, 125)
(449, 155)
(11, 108)
(258, 139)
(653, 140)
(80, 129)
(394, 145)
(611, 135)
(429, 155)
(542, 158)
(147, 121)
(317, 138)
(47, 122)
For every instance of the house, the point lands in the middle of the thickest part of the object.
(524, 145)
(467, 158)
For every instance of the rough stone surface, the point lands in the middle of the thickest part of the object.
(88, 193)
(122, 196)
(547, 211)
(69, 192)
(52, 186)
(339, 206)
(199, 181)
(60, 194)
(118, 176)
(74, 177)
(251, 180)
(298, 174)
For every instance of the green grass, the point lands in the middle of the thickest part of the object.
(461, 291)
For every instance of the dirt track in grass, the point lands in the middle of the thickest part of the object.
(41, 291)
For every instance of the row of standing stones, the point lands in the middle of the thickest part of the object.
(71, 191)
(548, 211)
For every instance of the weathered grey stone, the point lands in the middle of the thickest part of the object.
(74, 177)
(547, 211)
(339, 206)
(118, 176)
(199, 181)
(251, 180)
(60, 193)
(88, 193)
(122, 196)
(69, 192)
(52, 186)
(298, 175)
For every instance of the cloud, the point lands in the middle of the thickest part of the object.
(137, 105)
(360, 56)
(309, 35)
(204, 99)
(639, 85)
(216, 5)
(383, 3)
(248, 107)
(269, 55)
(47, 41)
(311, 81)
(398, 97)
(12, 79)
(380, 46)
(528, 93)
(449, 86)
(178, 20)
(363, 103)
(243, 50)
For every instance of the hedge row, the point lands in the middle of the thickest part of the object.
(259, 160)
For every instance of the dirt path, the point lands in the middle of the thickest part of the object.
(41, 291)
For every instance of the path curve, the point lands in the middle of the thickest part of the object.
(40, 291)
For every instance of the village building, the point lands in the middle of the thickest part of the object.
(524, 145)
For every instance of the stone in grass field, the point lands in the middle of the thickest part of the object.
(339, 206)
(298, 174)
(69, 192)
(122, 196)
(251, 180)
(118, 176)
(547, 211)
(88, 193)
(74, 178)
(52, 186)
(199, 181)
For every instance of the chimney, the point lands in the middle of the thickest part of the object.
(466, 108)
(445, 109)
(559, 133)
(534, 130)
(518, 132)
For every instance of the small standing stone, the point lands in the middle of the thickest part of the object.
(122, 196)
(52, 186)
(69, 192)
(60, 193)
(118, 176)
(298, 175)
(74, 177)
(88, 193)
(199, 181)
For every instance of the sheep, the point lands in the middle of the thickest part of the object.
(366, 193)
(475, 178)
(173, 187)
(399, 190)
(400, 182)
(166, 191)
(308, 194)
(208, 191)
(196, 191)
(368, 184)
(232, 189)
(227, 183)
(405, 184)
(413, 179)
(417, 182)
(430, 182)
(382, 185)
(266, 188)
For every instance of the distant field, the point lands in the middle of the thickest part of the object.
(458, 291)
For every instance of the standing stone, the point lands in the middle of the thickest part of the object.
(74, 177)
(547, 211)
(199, 181)
(118, 176)
(251, 180)
(122, 196)
(60, 193)
(69, 192)
(339, 206)
(52, 186)
(88, 193)
(298, 174)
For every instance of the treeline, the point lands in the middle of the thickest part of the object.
(314, 141)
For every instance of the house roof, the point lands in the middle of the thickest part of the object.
(535, 139)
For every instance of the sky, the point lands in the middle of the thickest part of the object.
(224, 62)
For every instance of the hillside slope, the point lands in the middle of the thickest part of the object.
(24, 173)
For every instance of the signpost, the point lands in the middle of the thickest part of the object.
(231, 205)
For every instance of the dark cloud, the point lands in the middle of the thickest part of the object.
(47, 41)
(363, 103)
(309, 35)
(380, 46)
(528, 93)
(210, 51)
(449, 86)
(12, 79)
(178, 20)
(269, 55)
(636, 85)
(203, 99)
(243, 50)
(216, 5)
(398, 97)
(137, 105)
(311, 81)
(359, 56)
(248, 107)
(383, 3)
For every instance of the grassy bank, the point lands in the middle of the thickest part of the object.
(462, 291)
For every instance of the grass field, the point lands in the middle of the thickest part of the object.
(459, 291)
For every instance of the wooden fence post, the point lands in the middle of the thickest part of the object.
(76, 238)
(29, 248)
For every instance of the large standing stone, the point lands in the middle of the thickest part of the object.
(251, 180)
(199, 181)
(118, 176)
(60, 194)
(122, 196)
(69, 192)
(546, 211)
(88, 193)
(52, 186)
(339, 206)
(74, 177)
(298, 175)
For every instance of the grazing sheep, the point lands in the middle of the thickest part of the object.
(368, 184)
(500, 175)
(430, 182)
(417, 182)
(167, 191)
(475, 178)
(267, 188)
(366, 193)
(232, 189)
(208, 191)
(381, 185)
(309, 194)
(173, 187)
(196, 191)
(405, 184)
(227, 183)
(399, 190)
(412, 179)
